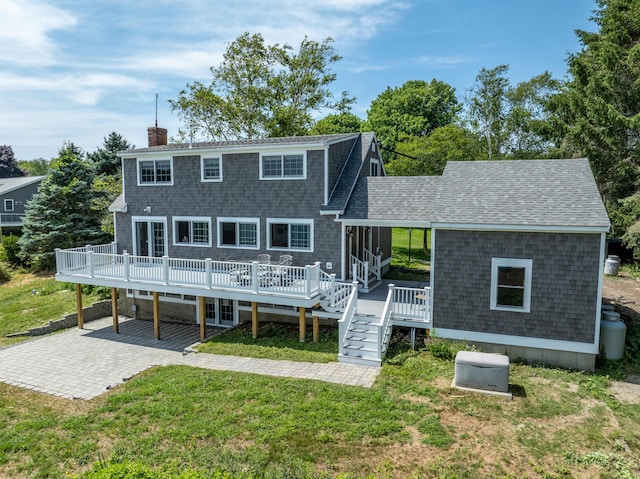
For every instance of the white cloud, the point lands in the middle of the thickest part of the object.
(25, 28)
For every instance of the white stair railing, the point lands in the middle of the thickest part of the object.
(349, 313)
(360, 271)
(374, 262)
(385, 323)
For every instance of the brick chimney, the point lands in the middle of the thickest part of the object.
(157, 136)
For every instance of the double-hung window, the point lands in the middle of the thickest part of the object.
(288, 234)
(211, 169)
(9, 205)
(285, 166)
(511, 284)
(155, 172)
(238, 233)
(192, 231)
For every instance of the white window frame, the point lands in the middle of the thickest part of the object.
(374, 165)
(191, 220)
(149, 219)
(497, 263)
(237, 221)
(202, 176)
(139, 161)
(10, 202)
(282, 154)
(290, 221)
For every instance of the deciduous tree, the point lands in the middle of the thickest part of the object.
(414, 109)
(261, 90)
(8, 164)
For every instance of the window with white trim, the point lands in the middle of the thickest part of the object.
(375, 167)
(511, 284)
(211, 169)
(155, 172)
(287, 234)
(9, 205)
(238, 233)
(285, 166)
(191, 231)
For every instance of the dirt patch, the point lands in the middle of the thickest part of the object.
(627, 392)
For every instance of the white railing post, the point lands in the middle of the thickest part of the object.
(427, 303)
(332, 289)
(207, 272)
(379, 266)
(255, 276)
(58, 260)
(90, 263)
(114, 248)
(165, 269)
(365, 279)
(125, 265)
(307, 281)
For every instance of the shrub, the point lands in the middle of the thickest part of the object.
(4, 274)
(11, 249)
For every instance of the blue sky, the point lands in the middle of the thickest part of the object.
(77, 70)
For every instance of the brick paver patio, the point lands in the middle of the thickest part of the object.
(83, 364)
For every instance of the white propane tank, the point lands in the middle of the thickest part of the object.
(612, 265)
(612, 335)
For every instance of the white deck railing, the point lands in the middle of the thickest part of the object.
(413, 304)
(103, 263)
(360, 271)
(336, 292)
(374, 262)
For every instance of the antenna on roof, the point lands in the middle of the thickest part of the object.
(156, 110)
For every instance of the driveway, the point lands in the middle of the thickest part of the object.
(84, 363)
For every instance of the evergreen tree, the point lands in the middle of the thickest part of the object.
(8, 164)
(106, 158)
(63, 213)
(601, 106)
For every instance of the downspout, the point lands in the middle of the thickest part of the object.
(603, 247)
(326, 175)
(343, 251)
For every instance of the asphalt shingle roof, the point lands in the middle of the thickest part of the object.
(397, 198)
(540, 193)
(10, 184)
(259, 142)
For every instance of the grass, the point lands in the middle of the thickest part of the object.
(275, 341)
(409, 259)
(32, 299)
(410, 424)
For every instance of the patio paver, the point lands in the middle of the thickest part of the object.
(84, 363)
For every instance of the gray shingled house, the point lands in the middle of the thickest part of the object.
(517, 246)
(15, 193)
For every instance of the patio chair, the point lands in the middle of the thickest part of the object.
(264, 258)
(285, 260)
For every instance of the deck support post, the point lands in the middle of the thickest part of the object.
(156, 315)
(203, 318)
(254, 319)
(79, 305)
(114, 309)
(316, 329)
(303, 323)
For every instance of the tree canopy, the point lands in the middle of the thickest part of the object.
(63, 213)
(8, 164)
(105, 159)
(345, 122)
(414, 109)
(261, 90)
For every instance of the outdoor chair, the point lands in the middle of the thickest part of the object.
(286, 260)
(264, 258)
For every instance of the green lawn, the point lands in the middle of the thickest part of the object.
(411, 424)
(28, 300)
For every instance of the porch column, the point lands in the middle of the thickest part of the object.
(203, 319)
(156, 315)
(79, 305)
(303, 324)
(254, 319)
(114, 309)
(316, 329)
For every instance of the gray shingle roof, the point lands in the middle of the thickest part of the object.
(393, 198)
(260, 142)
(539, 193)
(10, 184)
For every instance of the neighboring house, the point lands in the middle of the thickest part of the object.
(517, 246)
(15, 193)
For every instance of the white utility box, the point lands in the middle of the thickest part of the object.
(485, 371)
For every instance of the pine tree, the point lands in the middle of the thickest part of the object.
(63, 213)
(8, 164)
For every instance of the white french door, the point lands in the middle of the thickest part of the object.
(149, 236)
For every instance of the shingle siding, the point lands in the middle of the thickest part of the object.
(564, 288)
(338, 155)
(240, 194)
(20, 197)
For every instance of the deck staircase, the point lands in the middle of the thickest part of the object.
(360, 345)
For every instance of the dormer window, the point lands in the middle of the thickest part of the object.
(285, 166)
